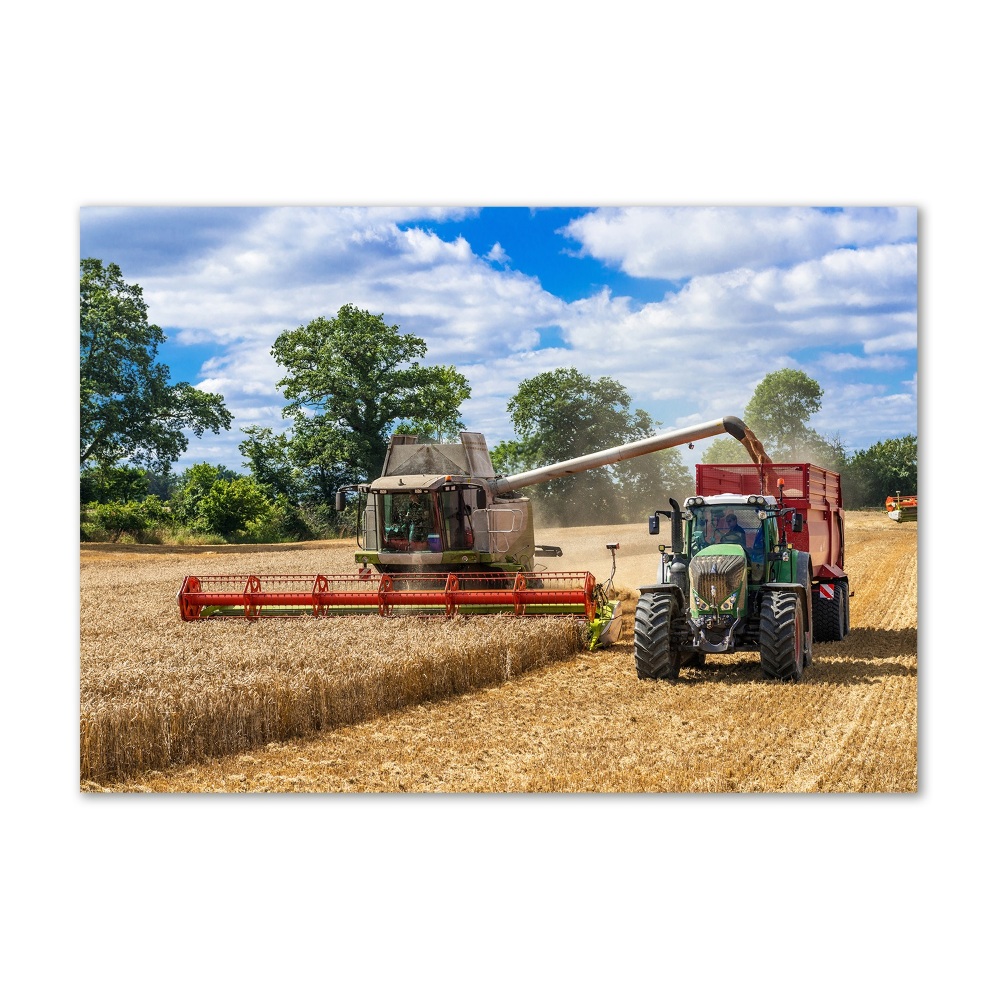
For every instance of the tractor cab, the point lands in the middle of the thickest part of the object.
(732, 519)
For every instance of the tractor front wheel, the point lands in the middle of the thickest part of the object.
(656, 655)
(782, 639)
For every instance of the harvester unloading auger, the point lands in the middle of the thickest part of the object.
(441, 533)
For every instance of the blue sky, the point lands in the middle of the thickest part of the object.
(689, 307)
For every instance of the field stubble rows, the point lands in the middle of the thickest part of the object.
(581, 723)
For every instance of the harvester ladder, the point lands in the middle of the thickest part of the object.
(499, 535)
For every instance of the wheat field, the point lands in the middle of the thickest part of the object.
(485, 705)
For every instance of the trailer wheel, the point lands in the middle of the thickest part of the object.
(656, 655)
(831, 616)
(782, 642)
(844, 587)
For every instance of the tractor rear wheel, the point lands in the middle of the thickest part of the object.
(656, 655)
(782, 640)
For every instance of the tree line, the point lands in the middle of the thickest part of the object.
(350, 382)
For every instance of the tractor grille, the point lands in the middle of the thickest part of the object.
(724, 573)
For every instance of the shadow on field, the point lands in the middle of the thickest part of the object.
(866, 656)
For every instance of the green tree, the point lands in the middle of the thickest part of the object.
(112, 484)
(779, 410)
(267, 455)
(564, 414)
(351, 380)
(129, 411)
(778, 414)
(117, 519)
(648, 481)
(509, 457)
(811, 447)
(324, 455)
(882, 470)
(726, 450)
(193, 486)
(233, 505)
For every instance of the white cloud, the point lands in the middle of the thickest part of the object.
(903, 341)
(852, 362)
(677, 243)
(497, 254)
(848, 296)
(319, 259)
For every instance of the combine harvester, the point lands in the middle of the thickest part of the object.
(900, 508)
(441, 533)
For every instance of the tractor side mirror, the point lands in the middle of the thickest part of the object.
(797, 521)
(339, 501)
(654, 524)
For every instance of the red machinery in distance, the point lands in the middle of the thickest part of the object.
(900, 508)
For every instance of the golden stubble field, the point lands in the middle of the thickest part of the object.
(495, 705)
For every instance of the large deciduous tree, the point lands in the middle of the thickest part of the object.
(129, 411)
(352, 380)
(779, 410)
(564, 414)
(778, 414)
(267, 456)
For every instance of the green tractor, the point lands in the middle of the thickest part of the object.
(730, 580)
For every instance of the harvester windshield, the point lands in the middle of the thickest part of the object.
(407, 519)
(425, 520)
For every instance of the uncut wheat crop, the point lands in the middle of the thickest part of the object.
(156, 692)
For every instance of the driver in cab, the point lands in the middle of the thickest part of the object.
(732, 533)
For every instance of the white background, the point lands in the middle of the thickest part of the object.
(218, 103)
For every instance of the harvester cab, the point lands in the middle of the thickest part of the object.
(435, 509)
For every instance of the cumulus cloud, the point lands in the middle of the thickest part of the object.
(847, 296)
(677, 243)
(293, 265)
(852, 362)
(498, 255)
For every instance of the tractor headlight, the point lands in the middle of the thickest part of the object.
(730, 602)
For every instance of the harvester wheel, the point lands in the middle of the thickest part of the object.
(782, 641)
(656, 655)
